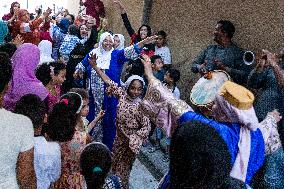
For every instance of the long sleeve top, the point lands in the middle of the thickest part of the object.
(231, 56)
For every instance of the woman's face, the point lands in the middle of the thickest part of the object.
(135, 89)
(116, 41)
(143, 32)
(84, 31)
(60, 78)
(26, 17)
(16, 7)
(107, 43)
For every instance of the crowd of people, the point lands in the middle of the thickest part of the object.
(76, 106)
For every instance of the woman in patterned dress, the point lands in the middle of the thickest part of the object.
(132, 126)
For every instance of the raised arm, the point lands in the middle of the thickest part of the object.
(279, 72)
(93, 63)
(147, 67)
(124, 17)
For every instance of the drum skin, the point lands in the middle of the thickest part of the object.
(204, 92)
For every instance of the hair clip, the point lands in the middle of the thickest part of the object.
(97, 170)
(65, 101)
(51, 71)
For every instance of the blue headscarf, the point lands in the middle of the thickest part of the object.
(64, 25)
(3, 31)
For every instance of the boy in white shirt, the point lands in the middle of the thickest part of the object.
(162, 49)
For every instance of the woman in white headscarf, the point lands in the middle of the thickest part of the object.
(118, 41)
(45, 48)
(111, 61)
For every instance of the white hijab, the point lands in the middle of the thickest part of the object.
(103, 56)
(122, 40)
(45, 48)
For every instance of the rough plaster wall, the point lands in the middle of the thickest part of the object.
(134, 9)
(190, 23)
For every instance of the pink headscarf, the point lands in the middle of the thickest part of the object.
(25, 60)
(225, 112)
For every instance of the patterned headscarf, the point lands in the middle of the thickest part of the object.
(25, 60)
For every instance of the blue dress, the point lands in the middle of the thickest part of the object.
(97, 87)
(230, 134)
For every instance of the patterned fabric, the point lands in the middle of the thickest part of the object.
(68, 44)
(112, 182)
(51, 100)
(162, 107)
(132, 129)
(70, 158)
(57, 37)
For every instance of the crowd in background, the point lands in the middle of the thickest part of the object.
(76, 106)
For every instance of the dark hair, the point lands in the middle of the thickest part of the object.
(72, 18)
(62, 119)
(174, 74)
(233, 183)
(5, 70)
(33, 107)
(137, 67)
(43, 72)
(95, 156)
(12, 7)
(61, 123)
(154, 58)
(74, 30)
(8, 48)
(81, 91)
(162, 33)
(198, 157)
(227, 27)
(93, 39)
(149, 31)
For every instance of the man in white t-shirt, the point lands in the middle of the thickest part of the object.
(162, 49)
(17, 141)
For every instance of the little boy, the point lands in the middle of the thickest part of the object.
(47, 155)
(157, 65)
(162, 49)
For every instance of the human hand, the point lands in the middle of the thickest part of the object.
(202, 68)
(47, 12)
(120, 6)
(93, 60)
(276, 115)
(272, 58)
(149, 40)
(100, 115)
(261, 65)
(18, 40)
(219, 64)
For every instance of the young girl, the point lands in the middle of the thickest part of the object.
(52, 75)
(82, 123)
(95, 162)
(132, 126)
(71, 150)
(60, 128)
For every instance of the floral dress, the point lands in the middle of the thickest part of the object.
(70, 161)
(132, 129)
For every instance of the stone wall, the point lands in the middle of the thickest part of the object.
(190, 23)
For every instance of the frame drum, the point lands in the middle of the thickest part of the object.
(204, 92)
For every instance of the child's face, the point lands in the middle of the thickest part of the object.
(167, 78)
(60, 78)
(158, 64)
(135, 89)
(84, 31)
(85, 109)
(160, 41)
(116, 41)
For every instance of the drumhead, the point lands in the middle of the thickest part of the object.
(204, 92)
